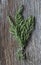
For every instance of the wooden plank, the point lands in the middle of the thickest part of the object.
(7, 43)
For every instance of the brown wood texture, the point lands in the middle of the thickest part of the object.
(8, 45)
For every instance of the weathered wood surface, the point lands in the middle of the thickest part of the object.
(8, 46)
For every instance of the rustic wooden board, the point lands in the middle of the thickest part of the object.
(8, 45)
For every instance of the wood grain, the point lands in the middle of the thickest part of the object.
(8, 45)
